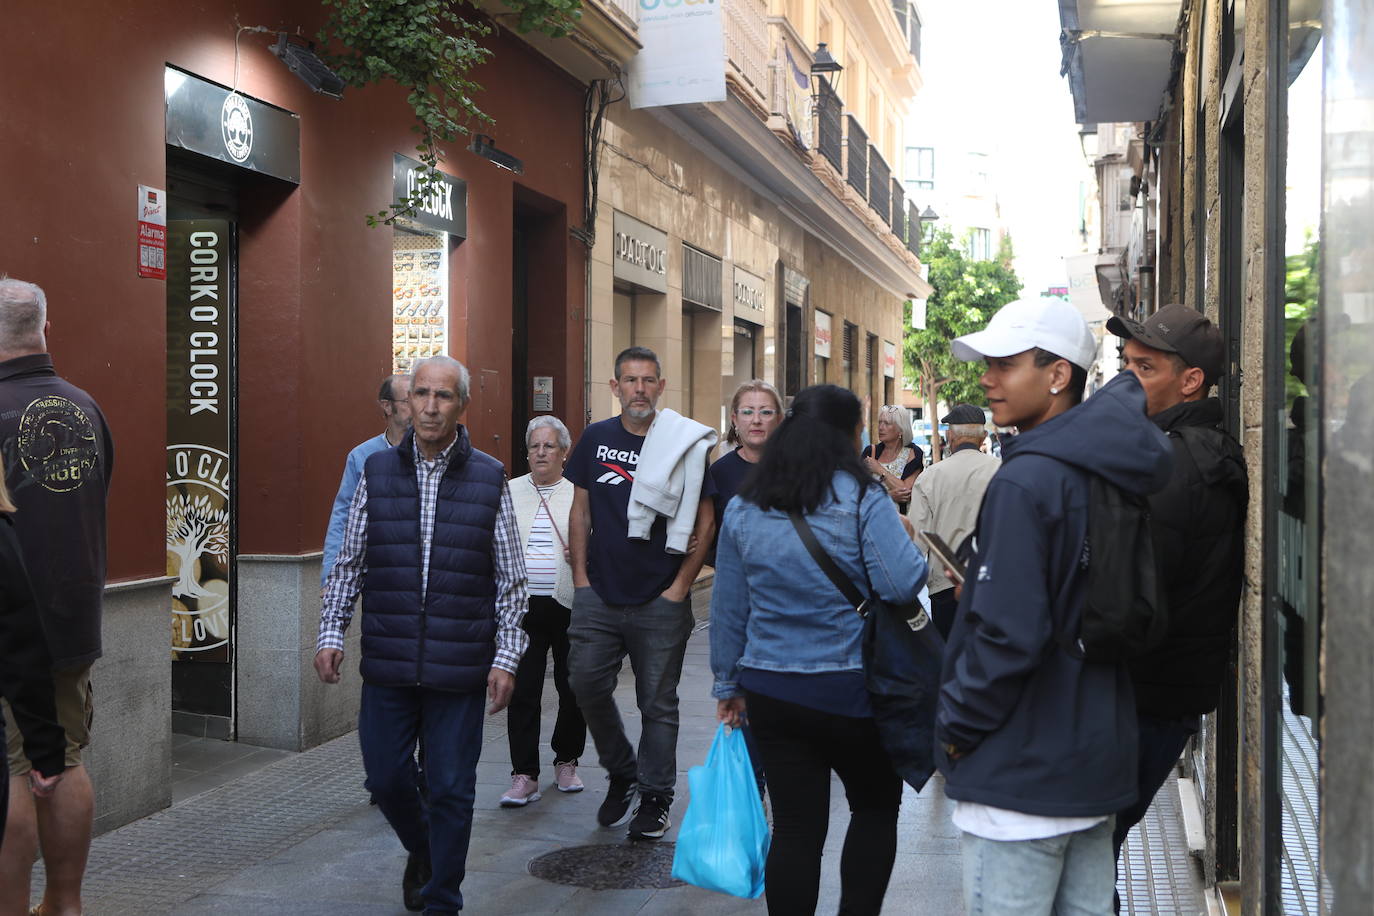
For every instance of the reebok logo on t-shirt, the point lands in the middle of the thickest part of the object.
(616, 462)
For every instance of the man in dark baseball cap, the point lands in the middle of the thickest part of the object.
(1198, 526)
(1182, 339)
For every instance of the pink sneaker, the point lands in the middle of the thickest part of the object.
(568, 780)
(522, 791)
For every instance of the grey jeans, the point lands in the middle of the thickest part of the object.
(654, 636)
(1066, 875)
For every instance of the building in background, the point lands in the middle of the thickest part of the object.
(751, 225)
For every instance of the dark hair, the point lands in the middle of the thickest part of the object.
(800, 459)
(1078, 376)
(637, 353)
(386, 391)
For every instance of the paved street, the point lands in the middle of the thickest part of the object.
(294, 834)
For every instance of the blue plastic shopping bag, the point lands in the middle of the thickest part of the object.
(723, 842)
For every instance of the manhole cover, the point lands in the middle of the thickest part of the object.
(609, 867)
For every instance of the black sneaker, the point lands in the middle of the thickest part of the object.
(617, 804)
(651, 817)
(416, 877)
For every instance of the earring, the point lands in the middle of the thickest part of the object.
(1054, 391)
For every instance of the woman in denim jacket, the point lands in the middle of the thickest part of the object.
(785, 646)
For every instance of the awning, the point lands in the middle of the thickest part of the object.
(1118, 56)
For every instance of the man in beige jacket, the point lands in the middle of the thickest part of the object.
(945, 500)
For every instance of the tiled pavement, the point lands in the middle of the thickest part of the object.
(296, 835)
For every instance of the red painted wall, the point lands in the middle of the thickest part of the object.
(83, 126)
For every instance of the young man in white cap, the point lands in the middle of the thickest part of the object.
(1038, 745)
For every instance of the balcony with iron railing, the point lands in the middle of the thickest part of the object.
(898, 211)
(879, 186)
(913, 229)
(909, 22)
(856, 156)
(830, 125)
(747, 48)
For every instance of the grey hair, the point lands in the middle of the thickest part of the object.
(446, 362)
(23, 312)
(967, 431)
(902, 417)
(550, 422)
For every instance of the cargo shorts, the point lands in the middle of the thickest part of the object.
(75, 711)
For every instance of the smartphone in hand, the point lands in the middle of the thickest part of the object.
(942, 553)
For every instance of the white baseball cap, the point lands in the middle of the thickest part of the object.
(1021, 325)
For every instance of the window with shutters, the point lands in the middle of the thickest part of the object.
(851, 343)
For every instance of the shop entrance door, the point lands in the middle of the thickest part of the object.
(202, 264)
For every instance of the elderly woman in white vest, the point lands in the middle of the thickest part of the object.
(542, 501)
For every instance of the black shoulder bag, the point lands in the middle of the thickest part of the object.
(902, 655)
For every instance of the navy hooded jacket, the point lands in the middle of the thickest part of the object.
(447, 639)
(1040, 731)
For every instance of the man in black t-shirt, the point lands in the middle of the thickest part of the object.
(631, 598)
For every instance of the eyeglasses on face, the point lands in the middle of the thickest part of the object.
(747, 413)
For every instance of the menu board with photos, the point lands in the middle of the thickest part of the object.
(419, 273)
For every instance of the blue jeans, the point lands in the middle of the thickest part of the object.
(450, 724)
(1066, 875)
(654, 636)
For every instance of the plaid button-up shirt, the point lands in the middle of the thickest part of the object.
(345, 579)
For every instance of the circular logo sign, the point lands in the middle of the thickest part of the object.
(236, 124)
(57, 443)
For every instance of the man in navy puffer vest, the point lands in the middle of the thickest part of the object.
(432, 545)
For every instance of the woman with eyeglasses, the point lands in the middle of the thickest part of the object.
(542, 500)
(895, 460)
(755, 411)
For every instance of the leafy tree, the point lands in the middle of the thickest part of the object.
(428, 47)
(966, 295)
(1301, 285)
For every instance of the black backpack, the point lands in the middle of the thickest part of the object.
(1126, 613)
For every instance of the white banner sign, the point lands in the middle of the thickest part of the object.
(889, 359)
(822, 347)
(683, 60)
(1083, 291)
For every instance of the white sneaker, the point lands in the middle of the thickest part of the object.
(566, 775)
(522, 791)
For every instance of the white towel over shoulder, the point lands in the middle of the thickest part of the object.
(668, 478)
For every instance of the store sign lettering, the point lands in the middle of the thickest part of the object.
(436, 199)
(204, 349)
(641, 254)
(443, 200)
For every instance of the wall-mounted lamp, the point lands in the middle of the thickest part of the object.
(928, 215)
(824, 64)
(485, 147)
(302, 60)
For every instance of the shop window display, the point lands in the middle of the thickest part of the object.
(419, 290)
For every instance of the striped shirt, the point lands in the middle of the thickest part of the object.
(345, 580)
(542, 551)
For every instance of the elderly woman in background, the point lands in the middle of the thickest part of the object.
(542, 500)
(894, 460)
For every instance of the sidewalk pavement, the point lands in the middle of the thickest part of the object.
(298, 836)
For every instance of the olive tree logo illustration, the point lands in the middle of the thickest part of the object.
(198, 539)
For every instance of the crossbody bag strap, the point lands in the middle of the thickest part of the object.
(549, 512)
(828, 566)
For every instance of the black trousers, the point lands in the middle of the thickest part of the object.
(943, 604)
(800, 747)
(546, 622)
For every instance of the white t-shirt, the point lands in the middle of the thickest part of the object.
(1000, 824)
(542, 551)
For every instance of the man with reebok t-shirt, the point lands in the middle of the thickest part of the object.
(631, 598)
